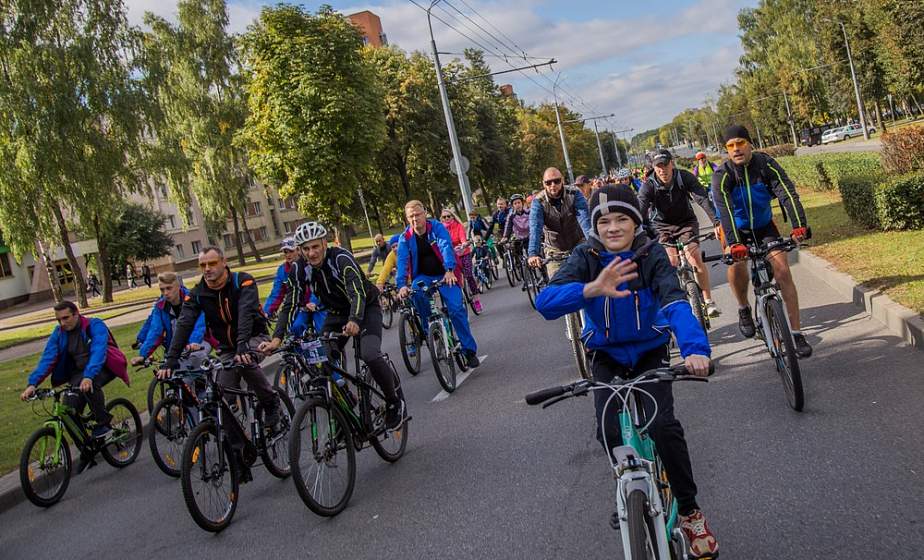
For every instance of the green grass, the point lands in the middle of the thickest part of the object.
(892, 261)
(360, 243)
(13, 337)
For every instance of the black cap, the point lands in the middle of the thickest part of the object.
(736, 131)
(661, 156)
(614, 198)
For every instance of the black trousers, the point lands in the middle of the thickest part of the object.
(370, 347)
(95, 398)
(254, 376)
(665, 431)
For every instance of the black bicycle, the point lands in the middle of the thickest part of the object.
(341, 416)
(220, 451)
(411, 336)
(388, 299)
(510, 262)
(770, 316)
(686, 274)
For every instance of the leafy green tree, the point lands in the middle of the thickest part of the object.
(137, 234)
(317, 116)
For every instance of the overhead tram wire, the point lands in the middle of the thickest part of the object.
(512, 42)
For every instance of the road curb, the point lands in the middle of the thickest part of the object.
(897, 318)
(11, 493)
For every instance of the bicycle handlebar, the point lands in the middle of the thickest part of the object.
(755, 251)
(661, 375)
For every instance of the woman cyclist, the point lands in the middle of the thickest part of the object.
(464, 251)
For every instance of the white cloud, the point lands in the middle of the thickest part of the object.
(239, 15)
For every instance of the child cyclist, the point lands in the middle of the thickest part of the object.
(629, 309)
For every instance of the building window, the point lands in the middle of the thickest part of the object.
(229, 241)
(171, 221)
(190, 217)
(5, 269)
(253, 209)
(196, 247)
(163, 192)
(180, 253)
(290, 203)
(259, 234)
(290, 226)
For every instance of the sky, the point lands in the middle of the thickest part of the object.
(644, 61)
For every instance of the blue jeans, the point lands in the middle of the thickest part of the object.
(452, 295)
(300, 323)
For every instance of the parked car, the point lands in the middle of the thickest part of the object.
(844, 132)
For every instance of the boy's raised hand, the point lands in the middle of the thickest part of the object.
(606, 284)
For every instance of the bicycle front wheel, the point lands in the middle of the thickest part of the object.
(695, 297)
(577, 346)
(388, 311)
(209, 477)
(389, 444)
(410, 339)
(125, 442)
(322, 457)
(275, 452)
(787, 363)
(288, 380)
(167, 436)
(643, 544)
(531, 283)
(443, 364)
(44, 468)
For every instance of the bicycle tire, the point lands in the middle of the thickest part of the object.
(388, 311)
(399, 436)
(445, 373)
(152, 388)
(277, 463)
(407, 329)
(787, 363)
(695, 297)
(28, 475)
(469, 297)
(338, 434)
(642, 543)
(288, 380)
(531, 286)
(193, 452)
(167, 436)
(577, 347)
(123, 452)
(511, 274)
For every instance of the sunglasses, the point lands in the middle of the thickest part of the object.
(208, 264)
(446, 217)
(739, 143)
(550, 182)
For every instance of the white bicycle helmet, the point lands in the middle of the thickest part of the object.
(309, 231)
(623, 173)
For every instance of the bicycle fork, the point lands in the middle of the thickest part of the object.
(633, 473)
(761, 306)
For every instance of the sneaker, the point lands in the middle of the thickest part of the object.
(477, 305)
(712, 311)
(102, 432)
(471, 359)
(271, 418)
(803, 349)
(394, 413)
(746, 322)
(702, 541)
(411, 350)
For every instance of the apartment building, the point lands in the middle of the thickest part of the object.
(370, 26)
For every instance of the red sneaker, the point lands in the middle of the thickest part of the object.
(702, 541)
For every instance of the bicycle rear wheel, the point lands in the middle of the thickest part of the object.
(643, 544)
(45, 470)
(209, 477)
(156, 392)
(573, 321)
(443, 364)
(469, 297)
(125, 442)
(532, 285)
(167, 436)
(695, 297)
(410, 339)
(510, 272)
(388, 311)
(322, 457)
(275, 453)
(787, 363)
(389, 444)
(288, 380)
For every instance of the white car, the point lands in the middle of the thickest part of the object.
(843, 133)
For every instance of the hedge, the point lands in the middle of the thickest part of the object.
(824, 172)
(779, 150)
(895, 204)
(857, 193)
(903, 150)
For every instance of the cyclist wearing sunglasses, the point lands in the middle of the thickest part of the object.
(744, 187)
(558, 220)
(665, 203)
(231, 305)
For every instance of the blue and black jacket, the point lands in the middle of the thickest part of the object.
(625, 328)
(440, 242)
(159, 331)
(56, 362)
(280, 287)
(743, 195)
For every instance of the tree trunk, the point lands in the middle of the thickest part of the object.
(49, 264)
(433, 208)
(105, 272)
(880, 123)
(401, 165)
(80, 285)
(915, 99)
(237, 236)
(253, 246)
(378, 218)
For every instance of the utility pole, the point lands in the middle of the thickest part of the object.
(362, 202)
(856, 85)
(792, 126)
(600, 148)
(596, 132)
(561, 133)
(450, 125)
(616, 145)
(760, 141)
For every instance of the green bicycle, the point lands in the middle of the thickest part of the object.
(45, 464)
(445, 349)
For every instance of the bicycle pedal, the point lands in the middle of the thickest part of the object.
(614, 521)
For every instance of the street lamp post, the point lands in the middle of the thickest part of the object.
(450, 124)
(856, 85)
(561, 134)
(600, 148)
(792, 125)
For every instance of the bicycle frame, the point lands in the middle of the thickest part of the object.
(765, 289)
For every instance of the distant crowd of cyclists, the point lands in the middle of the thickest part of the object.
(617, 267)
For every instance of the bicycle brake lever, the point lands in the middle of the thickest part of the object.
(556, 400)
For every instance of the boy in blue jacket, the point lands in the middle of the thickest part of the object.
(630, 310)
(161, 323)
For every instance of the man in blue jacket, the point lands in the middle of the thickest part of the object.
(557, 220)
(299, 317)
(77, 352)
(629, 311)
(425, 254)
(162, 322)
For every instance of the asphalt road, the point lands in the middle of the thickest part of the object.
(486, 476)
(854, 145)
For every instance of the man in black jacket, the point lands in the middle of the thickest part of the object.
(352, 303)
(665, 204)
(231, 305)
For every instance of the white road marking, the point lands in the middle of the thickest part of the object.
(443, 395)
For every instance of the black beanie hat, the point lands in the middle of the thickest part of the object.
(614, 198)
(736, 131)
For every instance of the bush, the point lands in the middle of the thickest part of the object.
(824, 172)
(858, 195)
(779, 150)
(903, 150)
(807, 172)
(899, 202)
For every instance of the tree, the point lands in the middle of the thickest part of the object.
(317, 115)
(136, 235)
